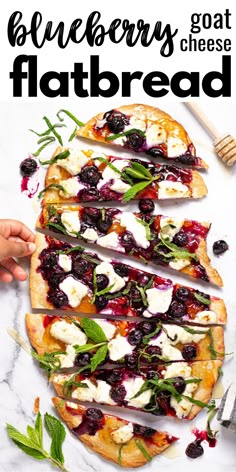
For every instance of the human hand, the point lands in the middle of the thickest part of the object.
(16, 240)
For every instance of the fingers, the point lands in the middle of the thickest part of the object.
(5, 276)
(16, 228)
(14, 269)
(15, 249)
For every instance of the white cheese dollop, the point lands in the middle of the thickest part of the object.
(90, 234)
(181, 408)
(134, 225)
(68, 333)
(171, 352)
(110, 241)
(119, 186)
(137, 123)
(123, 434)
(206, 317)
(114, 279)
(71, 186)
(175, 147)
(85, 394)
(74, 162)
(178, 369)
(67, 360)
(132, 386)
(110, 175)
(119, 347)
(177, 334)
(108, 328)
(155, 134)
(179, 264)
(74, 290)
(71, 221)
(170, 226)
(65, 262)
(103, 393)
(169, 189)
(158, 300)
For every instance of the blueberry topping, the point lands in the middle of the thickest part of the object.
(121, 269)
(180, 239)
(146, 205)
(127, 241)
(143, 431)
(152, 374)
(115, 377)
(89, 195)
(177, 309)
(143, 280)
(194, 449)
(116, 122)
(94, 414)
(104, 224)
(83, 359)
(102, 281)
(179, 384)
(219, 247)
(80, 266)
(182, 294)
(131, 361)
(49, 260)
(189, 352)
(134, 140)
(118, 393)
(153, 351)
(135, 337)
(56, 279)
(147, 327)
(58, 298)
(135, 294)
(101, 302)
(28, 167)
(155, 152)
(90, 175)
(187, 159)
(90, 215)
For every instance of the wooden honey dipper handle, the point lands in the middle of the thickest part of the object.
(225, 145)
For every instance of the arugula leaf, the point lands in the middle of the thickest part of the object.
(57, 433)
(201, 298)
(131, 192)
(99, 357)
(126, 133)
(93, 330)
(59, 187)
(53, 130)
(143, 450)
(58, 157)
(70, 115)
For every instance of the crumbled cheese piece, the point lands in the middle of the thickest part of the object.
(74, 290)
(181, 408)
(71, 186)
(159, 300)
(171, 352)
(119, 347)
(178, 369)
(71, 221)
(155, 134)
(169, 189)
(68, 333)
(103, 393)
(108, 328)
(90, 234)
(177, 334)
(123, 434)
(114, 279)
(136, 123)
(175, 147)
(110, 241)
(85, 394)
(134, 225)
(132, 386)
(74, 162)
(205, 317)
(179, 264)
(65, 262)
(170, 226)
(110, 175)
(65, 361)
(119, 186)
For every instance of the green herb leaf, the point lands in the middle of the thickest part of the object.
(61, 228)
(49, 361)
(202, 299)
(157, 330)
(93, 330)
(53, 130)
(69, 384)
(57, 433)
(87, 347)
(210, 433)
(147, 228)
(143, 450)
(58, 157)
(73, 134)
(143, 295)
(132, 192)
(119, 454)
(70, 115)
(59, 187)
(175, 251)
(139, 171)
(198, 402)
(39, 428)
(41, 148)
(71, 249)
(194, 331)
(98, 357)
(126, 133)
(48, 131)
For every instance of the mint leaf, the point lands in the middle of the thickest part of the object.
(59, 187)
(49, 361)
(70, 115)
(41, 148)
(58, 157)
(141, 171)
(57, 433)
(86, 347)
(143, 450)
(53, 130)
(39, 428)
(21, 438)
(93, 330)
(99, 357)
(132, 192)
(202, 299)
(30, 451)
(175, 251)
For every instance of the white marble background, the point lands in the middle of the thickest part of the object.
(20, 378)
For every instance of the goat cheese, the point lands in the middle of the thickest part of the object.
(181, 408)
(110, 241)
(85, 394)
(159, 300)
(179, 264)
(90, 234)
(132, 386)
(119, 186)
(170, 226)
(108, 328)
(177, 334)
(119, 347)
(175, 147)
(71, 221)
(178, 369)
(169, 189)
(74, 290)
(205, 317)
(135, 226)
(68, 333)
(123, 434)
(71, 186)
(114, 279)
(155, 134)
(74, 162)
(110, 175)
(103, 393)
(65, 262)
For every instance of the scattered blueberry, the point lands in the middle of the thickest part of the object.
(90, 175)
(219, 247)
(83, 359)
(127, 241)
(147, 327)
(94, 414)
(155, 152)
(114, 377)
(179, 384)
(121, 269)
(146, 205)
(80, 266)
(180, 239)
(182, 294)
(101, 302)
(102, 281)
(187, 159)
(118, 393)
(131, 361)
(135, 337)
(143, 431)
(189, 352)
(58, 298)
(28, 167)
(177, 309)
(116, 121)
(89, 195)
(90, 215)
(194, 449)
(104, 224)
(134, 140)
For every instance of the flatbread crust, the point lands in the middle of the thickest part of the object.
(102, 441)
(145, 113)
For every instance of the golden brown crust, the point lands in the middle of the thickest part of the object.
(197, 185)
(218, 306)
(102, 441)
(41, 341)
(205, 261)
(38, 286)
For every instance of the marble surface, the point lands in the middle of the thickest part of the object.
(20, 378)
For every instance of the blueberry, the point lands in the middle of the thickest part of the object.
(90, 215)
(146, 205)
(115, 377)
(121, 269)
(147, 327)
(187, 159)
(90, 175)
(179, 384)
(182, 294)
(102, 281)
(143, 431)
(135, 294)
(134, 140)
(127, 241)
(104, 224)
(155, 152)
(28, 167)
(116, 122)
(49, 260)
(180, 239)
(189, 352)
(194, 449)
(131, 361)
(152, 375)
(89, 195)
(154, 352)
(143, 280)
(58, 298)
(80, 266)
(219, 247)
(83, 359)
(118, 393)
(101, 302)
(56, 278)
(94, 414)
(135, 337)
(177, 309)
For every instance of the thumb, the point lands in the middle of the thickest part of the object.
(15, 249)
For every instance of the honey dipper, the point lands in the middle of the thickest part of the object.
(224, 145)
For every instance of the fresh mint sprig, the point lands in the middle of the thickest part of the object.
(32, 443)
